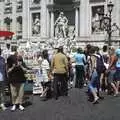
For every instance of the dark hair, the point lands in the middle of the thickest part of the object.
(20, 58)
(105, 48)
(60, 49)
(8, 45)
(88, 46)
(79, 50)
(14, 48)
(92, 50)
(45, 54)
(97, 49)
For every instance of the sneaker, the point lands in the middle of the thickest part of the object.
(3, 107)
(13, 108)
(95, 100)
(116, 94)
(85, 84)
(21, 107)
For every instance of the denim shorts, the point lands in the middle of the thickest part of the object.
(111, 76)
(117, 75)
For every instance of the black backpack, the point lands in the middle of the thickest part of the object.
(100, 64)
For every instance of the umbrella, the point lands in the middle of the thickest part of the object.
(6, 34)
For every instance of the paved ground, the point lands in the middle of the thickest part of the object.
(73, 107)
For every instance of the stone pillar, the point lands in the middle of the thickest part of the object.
(116, 12)
(43, 18)
(52, 24)
(76, 21)
(84, 18)
(2, 15)
(51, 18)
(26, 22)
(14, 21)
(48, 20)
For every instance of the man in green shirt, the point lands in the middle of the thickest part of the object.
(59, 67)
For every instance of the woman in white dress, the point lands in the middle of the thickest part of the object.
(45, 69)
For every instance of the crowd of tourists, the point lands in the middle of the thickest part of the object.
(92, 67)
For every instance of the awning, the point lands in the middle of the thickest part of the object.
(6, 34)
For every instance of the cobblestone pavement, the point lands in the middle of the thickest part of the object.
(73, 107)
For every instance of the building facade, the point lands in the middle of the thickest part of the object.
(35, 19)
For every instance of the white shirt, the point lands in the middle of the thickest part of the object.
(45, 67)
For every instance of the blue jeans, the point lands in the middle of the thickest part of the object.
(94, 82)
(2, 92)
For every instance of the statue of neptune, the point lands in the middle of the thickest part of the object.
(61, 25)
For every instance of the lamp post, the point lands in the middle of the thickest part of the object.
(107, 20)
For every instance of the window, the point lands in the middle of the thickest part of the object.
(94, 1)
(36, 1)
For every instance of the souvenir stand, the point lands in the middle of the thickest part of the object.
(33, 76)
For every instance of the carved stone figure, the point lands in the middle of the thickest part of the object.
(36, 25)
(95, 23)
(61, 26)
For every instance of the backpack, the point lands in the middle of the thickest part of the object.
(100, 67)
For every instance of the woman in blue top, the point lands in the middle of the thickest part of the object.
(80, 61)
(117, 73)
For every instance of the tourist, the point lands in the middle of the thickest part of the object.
(117, 73)
(7, 51)
(2, 81)
(93, 86)
(59, 68)
(16, 77)
(45, 70)
(80, 61)
(88, 62)
(111, 71)
(70, 73)
(105, 56)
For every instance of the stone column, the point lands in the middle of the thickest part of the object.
(2, 15)
(76, 21)
(84, 18)
(52, 24)
(116, 12)
(14, 21)
(43, 18)
(48, 20)
(51, 19)
(26, 22)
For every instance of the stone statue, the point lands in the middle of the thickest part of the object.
(95, 23)
(36, 25)
(61, 26)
